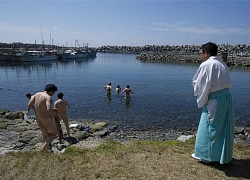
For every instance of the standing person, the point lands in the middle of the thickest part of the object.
(41, 104)
(118, 89)
(108, 89)
(211, 83)
(127, 91)
(61, 105)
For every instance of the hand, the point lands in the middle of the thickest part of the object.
(192, 82)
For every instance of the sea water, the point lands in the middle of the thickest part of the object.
(163, 94)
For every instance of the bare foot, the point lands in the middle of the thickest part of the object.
(46, 147)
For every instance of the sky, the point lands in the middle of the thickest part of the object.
(125, 23)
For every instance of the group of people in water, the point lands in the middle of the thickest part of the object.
(127, 90)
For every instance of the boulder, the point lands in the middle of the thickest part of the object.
(14, 115)
(183, 138)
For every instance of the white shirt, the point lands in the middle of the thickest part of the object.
(212, 75)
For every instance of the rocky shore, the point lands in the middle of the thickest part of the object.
(17, 134)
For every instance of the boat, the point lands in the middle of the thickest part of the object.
(74, 54)
(17, 55)
(4, 56)
(37, 56)
(91, 53)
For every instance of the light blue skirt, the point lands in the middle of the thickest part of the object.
(214, 140)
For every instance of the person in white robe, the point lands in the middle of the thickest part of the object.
(211, 83)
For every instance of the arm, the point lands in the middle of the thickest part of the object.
(55, 104)
(67, 104)
(52, 111)
(31, 103)
(132, 91)
(202, 84)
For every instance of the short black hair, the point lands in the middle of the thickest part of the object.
(210, 48)
(60, 95)
(28, 95)
(50, 87)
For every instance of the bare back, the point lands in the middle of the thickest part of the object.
(108, 89)
(127, 92)
(61, 106)
(42, 102)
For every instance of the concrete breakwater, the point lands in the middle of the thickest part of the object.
(238, 55)
(17, 134)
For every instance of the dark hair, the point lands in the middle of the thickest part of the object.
(28, 95)
(109, 84)
(210, 48)
(128, 86)
(60, 95)
(50, 87)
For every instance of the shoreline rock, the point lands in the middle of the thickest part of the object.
(25, 135)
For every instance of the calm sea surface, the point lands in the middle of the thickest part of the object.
(164, 97)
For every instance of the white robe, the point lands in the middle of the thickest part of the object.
(212, 75)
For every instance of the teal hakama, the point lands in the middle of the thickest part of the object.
(214, 140)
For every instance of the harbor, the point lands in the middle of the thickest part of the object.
(19, 52)
(233, 55)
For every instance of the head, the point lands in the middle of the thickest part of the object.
(60, 95)
(28, 95)
(128, 86)
(207, 50)
(118, 86)
(109, 84)
(50, 89)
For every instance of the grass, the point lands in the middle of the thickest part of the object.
(113, 160)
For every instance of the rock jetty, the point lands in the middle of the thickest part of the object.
(238, 55)
(17, 134)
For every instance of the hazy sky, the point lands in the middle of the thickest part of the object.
(131, 22)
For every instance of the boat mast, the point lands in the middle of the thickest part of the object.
(41, 33)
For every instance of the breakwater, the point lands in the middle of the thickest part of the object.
(238, 55)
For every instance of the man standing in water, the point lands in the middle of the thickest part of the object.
(61, 105)
(108, 89)
(41, 104)
(215, 136)
(127, 91)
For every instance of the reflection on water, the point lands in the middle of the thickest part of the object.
(40, 68)
(127, 104)
(108, 98)
(164, 97)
